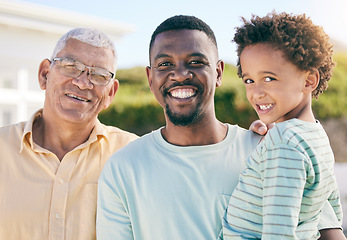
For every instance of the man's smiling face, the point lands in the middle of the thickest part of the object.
(77, 99)
(183, 75)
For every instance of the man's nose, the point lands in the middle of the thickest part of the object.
(181, 73)
(82, 81)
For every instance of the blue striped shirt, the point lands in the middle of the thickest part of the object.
(287, 180)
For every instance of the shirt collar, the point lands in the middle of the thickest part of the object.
(28, 130)
(98, 132)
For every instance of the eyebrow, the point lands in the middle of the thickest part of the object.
(270, 73)
(198, 55)
(264, 72)
(163, 55)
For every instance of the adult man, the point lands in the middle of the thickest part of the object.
(49, 165)
(175, 182)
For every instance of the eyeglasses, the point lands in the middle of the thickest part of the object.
(74, 69)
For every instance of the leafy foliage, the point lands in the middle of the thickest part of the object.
(333, 102)
(136, 110)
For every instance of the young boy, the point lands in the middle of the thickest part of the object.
(284, 60)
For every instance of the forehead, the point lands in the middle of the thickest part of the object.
(263, 58)
(263, 53)
(183, 42)
(88, 54)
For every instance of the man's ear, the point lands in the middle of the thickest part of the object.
(44, 69)
(112, 92)
(149, 77)
(312, 81)
(220, 70)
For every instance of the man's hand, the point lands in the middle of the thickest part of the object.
(259, 127)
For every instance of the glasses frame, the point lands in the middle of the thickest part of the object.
(83, 70)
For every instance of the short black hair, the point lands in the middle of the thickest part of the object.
(304, 44)
(182, 22)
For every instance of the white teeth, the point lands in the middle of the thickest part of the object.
(76, 97)
(265, 107)
(182, 93)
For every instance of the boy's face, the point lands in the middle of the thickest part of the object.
(274, 86)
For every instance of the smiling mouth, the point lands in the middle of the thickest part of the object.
(265, 106)
(77, 97)
(182, 93)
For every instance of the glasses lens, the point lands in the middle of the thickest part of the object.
(71, 68)
(99, 76)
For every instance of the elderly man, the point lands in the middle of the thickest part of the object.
(49, 165)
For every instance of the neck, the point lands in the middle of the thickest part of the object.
(303, 112)
(306, 113)
(206, 133)
(60, 138)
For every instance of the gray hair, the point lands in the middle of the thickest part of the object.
(86, 35)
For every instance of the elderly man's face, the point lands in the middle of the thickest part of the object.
(77, 99)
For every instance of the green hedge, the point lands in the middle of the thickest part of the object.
(135, 109)
(333, 102)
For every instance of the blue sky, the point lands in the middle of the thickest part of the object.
(222, 16)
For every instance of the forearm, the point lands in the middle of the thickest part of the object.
(332, 234)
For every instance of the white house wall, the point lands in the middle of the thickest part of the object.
(29, 33)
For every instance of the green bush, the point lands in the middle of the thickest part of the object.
(231, 103)
(333, 102)
(134, 118)
(136, 110)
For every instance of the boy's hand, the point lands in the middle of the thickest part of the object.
(259, 127)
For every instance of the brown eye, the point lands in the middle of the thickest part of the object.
(248, 81)
(268, 79)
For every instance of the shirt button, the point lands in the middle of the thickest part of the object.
(57, 215)
(61, 181)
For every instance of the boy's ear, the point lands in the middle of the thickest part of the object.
(312, 81)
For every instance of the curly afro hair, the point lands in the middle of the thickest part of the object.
(304, 44)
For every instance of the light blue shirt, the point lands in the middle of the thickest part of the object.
(154, 190)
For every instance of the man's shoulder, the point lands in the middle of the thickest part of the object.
(11, 136)
(115, 130)
(117, 133)
(137, 144)
(132, 153)
(244, 135)
(17, 128)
